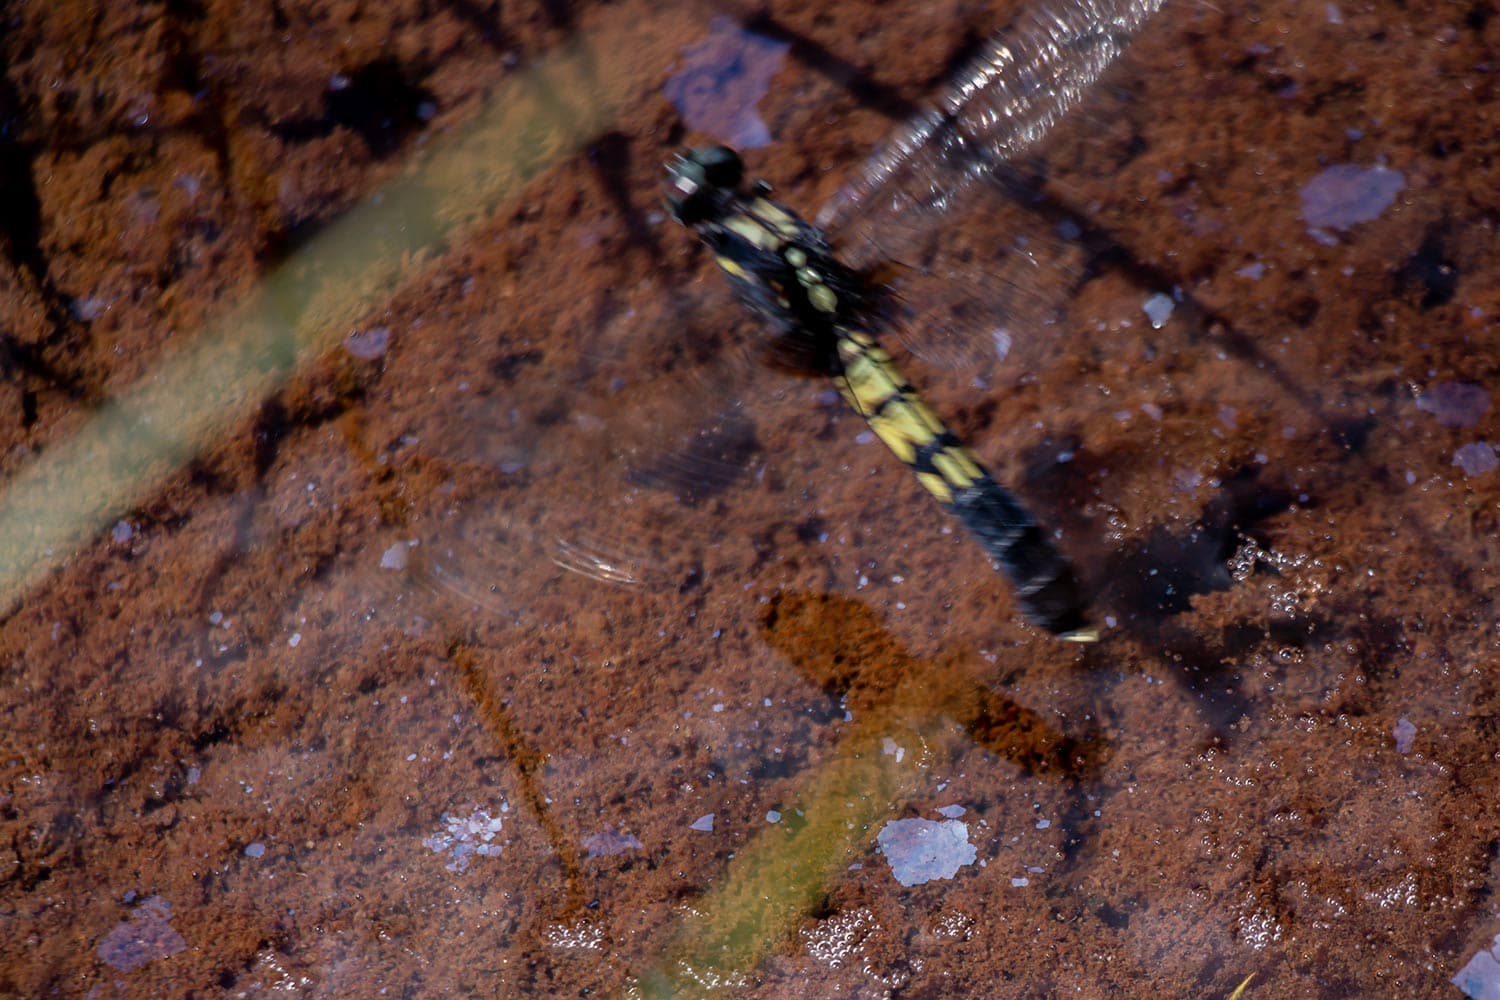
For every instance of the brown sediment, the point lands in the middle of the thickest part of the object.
(1286, 560)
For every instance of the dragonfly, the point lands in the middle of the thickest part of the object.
(666, 445)
(783, 270)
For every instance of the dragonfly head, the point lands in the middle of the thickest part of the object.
(697, 179)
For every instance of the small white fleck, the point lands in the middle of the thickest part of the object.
(1001, 339)
(367, 345)
(394, 557)
(1405, 733)
(1158, 309)
(1476, 458)
(89, 309)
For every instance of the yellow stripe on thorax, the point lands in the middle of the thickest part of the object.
(763, 224)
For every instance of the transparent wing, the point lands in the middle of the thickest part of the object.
(973, 155)
(628, 461)
(995, 112)
(983, 285)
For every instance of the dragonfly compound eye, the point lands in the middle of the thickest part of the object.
(697, 177)
(722, 166)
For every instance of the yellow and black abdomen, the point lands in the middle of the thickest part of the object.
(1044, 582)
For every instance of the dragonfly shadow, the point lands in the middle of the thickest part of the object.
(1159, 574)
(789, 871)
(1152, 584)
(868, 91)
(610, 157)
(841, 646)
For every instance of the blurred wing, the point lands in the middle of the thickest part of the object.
(615, 462)
(969, 155)
(982, 284)
(996, 111)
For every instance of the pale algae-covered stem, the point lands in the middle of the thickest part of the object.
(200, 391)
(779, 877)
(907, 717)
